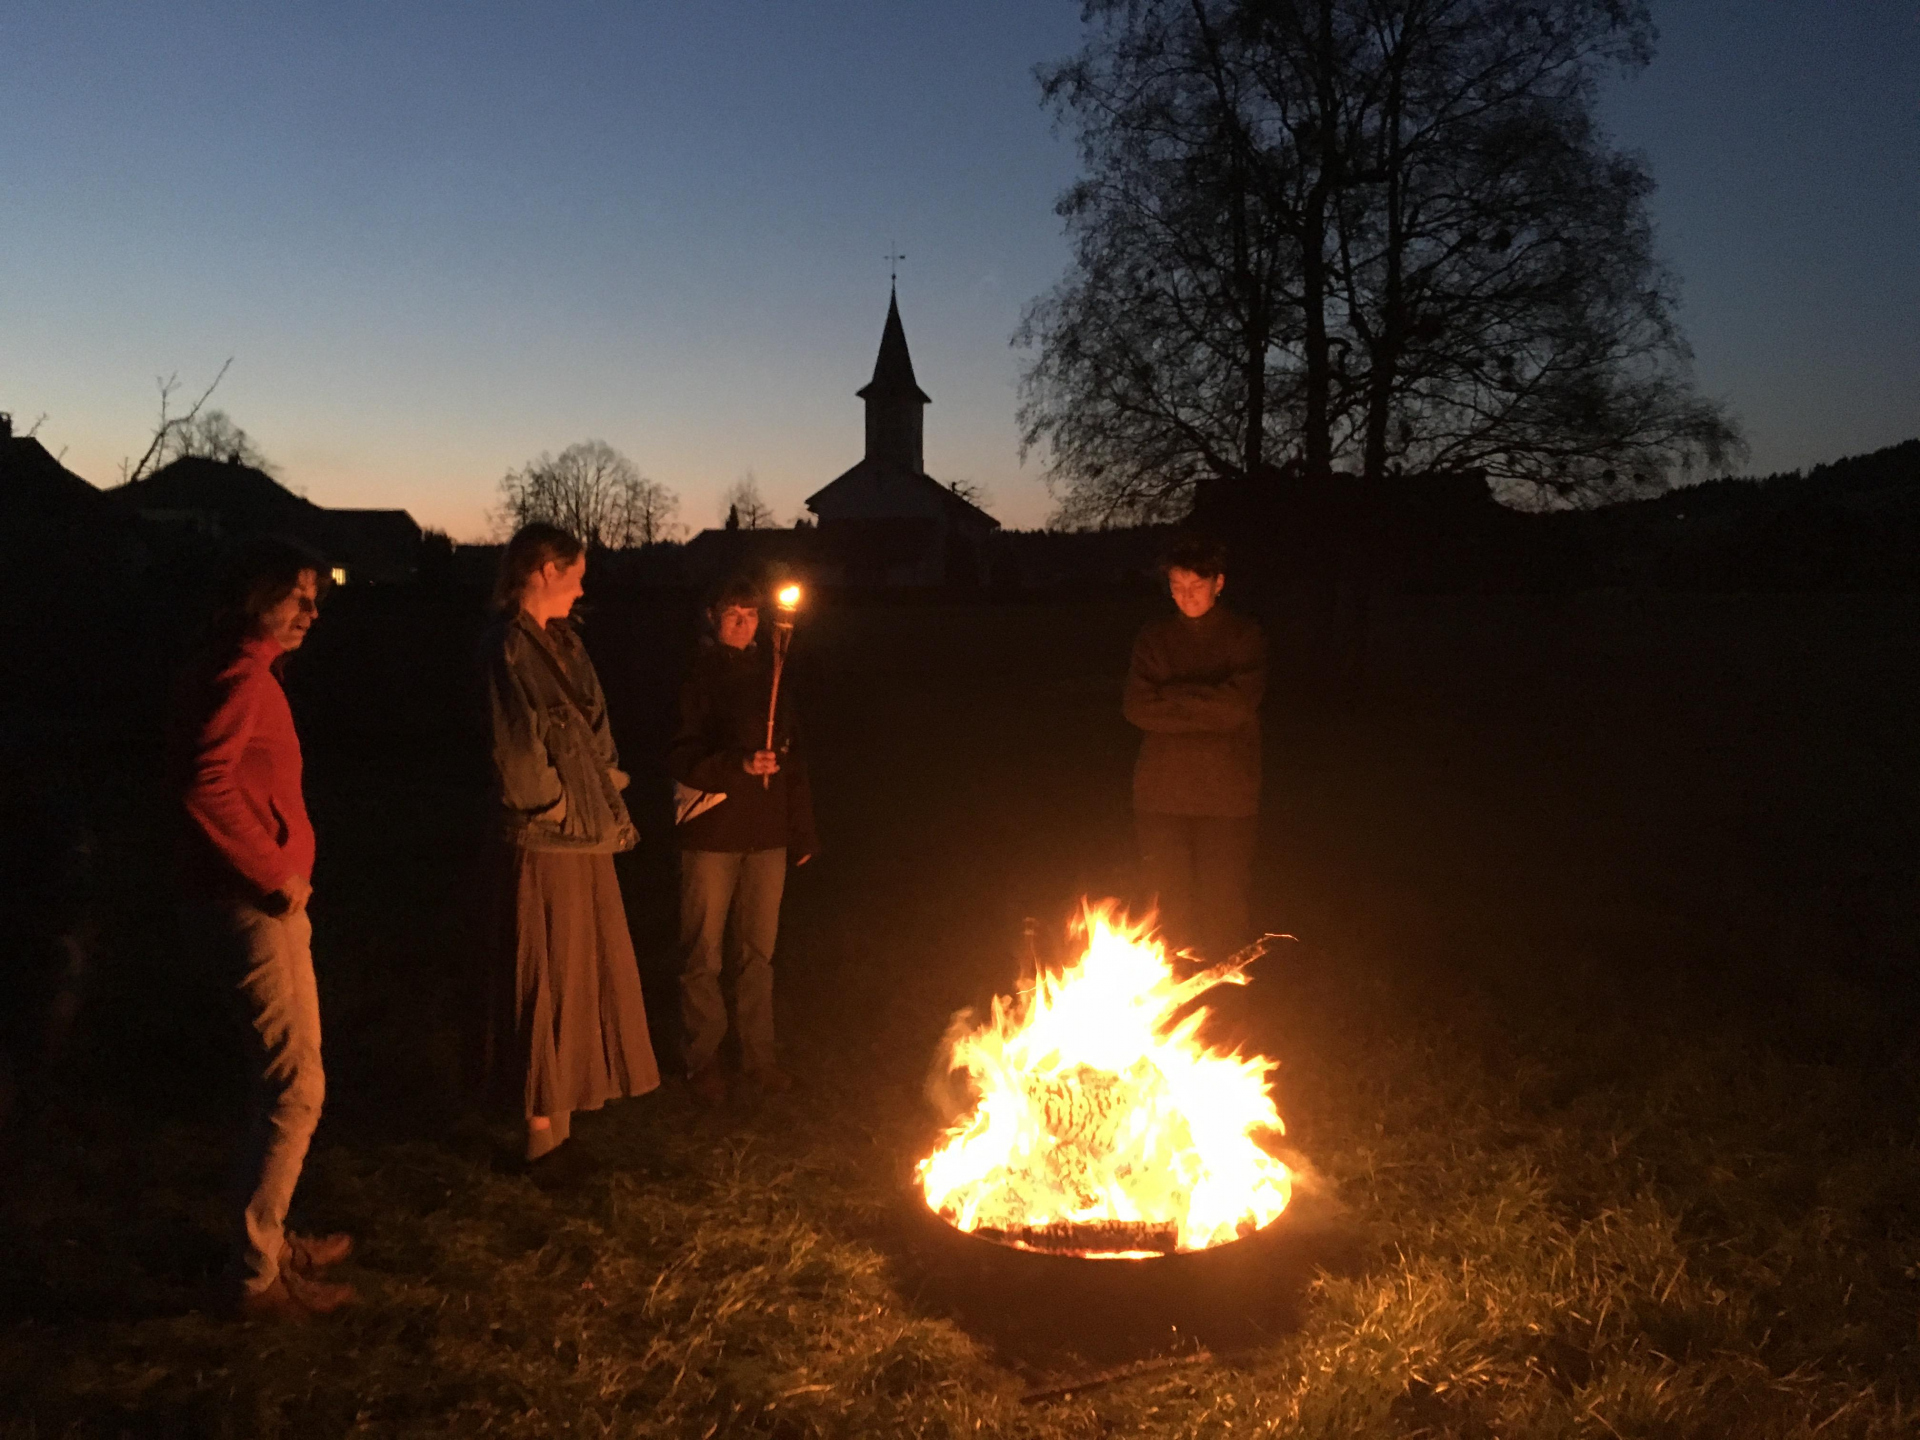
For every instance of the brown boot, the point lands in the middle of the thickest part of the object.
(310, 1254)
(544, 1139)
(275, 1303)
(322, 1297)
(772, 1080)
(709, 1085)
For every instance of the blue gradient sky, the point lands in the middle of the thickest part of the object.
(440, 239)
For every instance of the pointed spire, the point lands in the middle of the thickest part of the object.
(893, 368)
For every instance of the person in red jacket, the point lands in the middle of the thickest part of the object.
(249, 874)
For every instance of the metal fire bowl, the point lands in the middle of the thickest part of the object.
(1030, 1302)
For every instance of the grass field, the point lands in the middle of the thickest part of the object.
(1599, 1033)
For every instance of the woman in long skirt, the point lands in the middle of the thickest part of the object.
(569, 1027)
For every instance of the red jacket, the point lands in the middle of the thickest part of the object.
(247, 816)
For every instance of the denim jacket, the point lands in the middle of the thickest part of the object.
(552, 741)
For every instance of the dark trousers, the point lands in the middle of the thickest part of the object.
(1199, 868)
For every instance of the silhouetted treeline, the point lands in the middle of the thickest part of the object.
(1853, 524)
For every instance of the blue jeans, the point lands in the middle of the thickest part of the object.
(718, 886)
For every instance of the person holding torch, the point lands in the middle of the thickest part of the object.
(745, 811)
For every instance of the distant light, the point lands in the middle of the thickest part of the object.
(339, 573)
(789, 597)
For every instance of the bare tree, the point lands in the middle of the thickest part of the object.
(212, 435)
(1384, 232)
(971, 491)
(650, 513)
(591, 491)
(744, 508)
(1494, 259)
(161, 448)
(1157, 358)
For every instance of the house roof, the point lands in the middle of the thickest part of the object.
(246, 501)
(244, 498)
(32, 482)
(361, 534)
(893, 367)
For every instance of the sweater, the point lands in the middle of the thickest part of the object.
(1194, 687)
(247, 818)
(723, 721)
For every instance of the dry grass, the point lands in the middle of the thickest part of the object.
(1630, 1157)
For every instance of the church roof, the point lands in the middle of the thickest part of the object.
(882, 489)
(893, 368)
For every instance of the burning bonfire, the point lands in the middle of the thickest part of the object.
(1103, 1126)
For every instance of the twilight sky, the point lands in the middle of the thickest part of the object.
(439, 239)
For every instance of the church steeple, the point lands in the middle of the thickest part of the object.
(895, 401)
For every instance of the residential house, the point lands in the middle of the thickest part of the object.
(225, 499)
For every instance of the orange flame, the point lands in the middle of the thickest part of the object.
(1097, 1105)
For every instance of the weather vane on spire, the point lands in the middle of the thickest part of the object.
(894, 256)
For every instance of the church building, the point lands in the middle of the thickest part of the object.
(886, 521)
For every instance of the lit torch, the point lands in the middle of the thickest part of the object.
(786, 601)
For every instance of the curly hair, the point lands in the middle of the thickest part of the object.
(1203, 553)
(743, 588)
(258, 576)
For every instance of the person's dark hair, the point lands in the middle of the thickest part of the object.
(531, 547)
(739, 588)
(261, 573)
(1205, 555)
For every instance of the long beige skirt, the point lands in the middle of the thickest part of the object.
(570, 1025)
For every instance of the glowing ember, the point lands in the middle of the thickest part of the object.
(1100, 1116)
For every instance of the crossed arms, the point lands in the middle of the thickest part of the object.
(1155, 701)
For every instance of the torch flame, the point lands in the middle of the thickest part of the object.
(788, 597)
(1097, 1105)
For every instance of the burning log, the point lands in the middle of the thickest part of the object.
(1092, 1237)
(1083, 1111)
